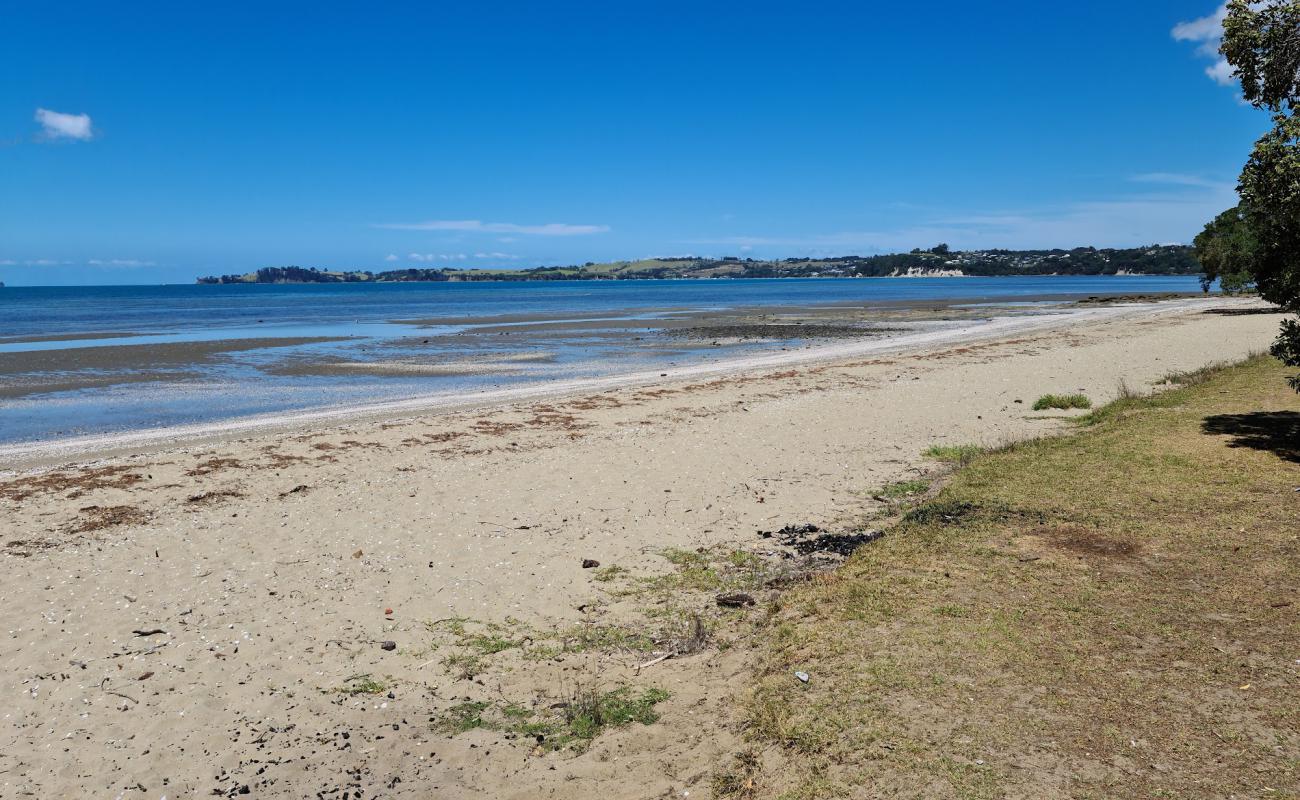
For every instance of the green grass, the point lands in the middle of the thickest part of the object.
(584, 716)
(953, 453)
(900, 490)
(606, 574)
(362, 684)
(1042, 625)
(1064, 402)
(464, 717)
(590, 712)
(490, 644)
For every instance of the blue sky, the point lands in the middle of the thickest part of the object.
(150, 142)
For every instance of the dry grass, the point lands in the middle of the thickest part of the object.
(1107, 614)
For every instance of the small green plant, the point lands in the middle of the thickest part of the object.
(953, 453)
(605, 574)
(490, 644)
(362, 684)
(465, 666)
(1062, 401)
(584, 716)
(589, 712)
(694, 571)
(464, 717)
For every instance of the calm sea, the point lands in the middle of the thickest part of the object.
(140, 375)
(26, 311)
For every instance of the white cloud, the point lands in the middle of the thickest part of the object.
(1221, 72)
(477, 226)
(57, 125)
(44, 262)
(1207, 32)
(425, 258)
(497, 256)
(1179, 179)
(391, 257)
(119, 262)
(7, 262)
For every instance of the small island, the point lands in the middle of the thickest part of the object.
(938, 261)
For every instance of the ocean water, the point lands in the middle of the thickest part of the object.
(152, 356)
(27, 311)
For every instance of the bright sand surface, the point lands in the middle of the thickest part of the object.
(267, 563)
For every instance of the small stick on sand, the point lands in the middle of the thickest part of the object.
(654, 661)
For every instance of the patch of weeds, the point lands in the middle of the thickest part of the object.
(490, 644)
(1196, 377)
(711, 571)
(1064, 402)
(464, 717)
(362, 684)
(453, 625)
(464, 666)
(515, 711)
(743, 559)
(694, 571)
(953, 453)
(582, 719)
(590, 712)
(606, 638)
(606, 574)
(739, 779)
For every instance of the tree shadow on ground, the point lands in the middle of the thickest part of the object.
(1275, 431)
(1242, 312)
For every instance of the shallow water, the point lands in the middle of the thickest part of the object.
(354, 343)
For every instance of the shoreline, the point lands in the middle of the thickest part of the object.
(43, 453)
(280, 610)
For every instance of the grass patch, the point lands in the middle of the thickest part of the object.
(1065, 402)
(902, 490)
(709, 571)
(1093, 591)
(464, 717)
(362, 684)
(960, 454)
(737, 780)
(1196, 377)
(590, 712)
(579, 720)
(606, 574)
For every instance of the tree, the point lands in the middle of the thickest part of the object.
(1261, 41)
(1225, 250)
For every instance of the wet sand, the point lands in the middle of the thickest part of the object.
(131, 356)
(66, 337)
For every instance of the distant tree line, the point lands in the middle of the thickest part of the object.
(1152, 260)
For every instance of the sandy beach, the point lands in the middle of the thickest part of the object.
(187, 611)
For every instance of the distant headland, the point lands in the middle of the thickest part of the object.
(936, 262)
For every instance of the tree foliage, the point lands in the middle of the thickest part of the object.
(1226, 251)
(1261, 40)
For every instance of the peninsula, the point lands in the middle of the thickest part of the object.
(936, 261)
